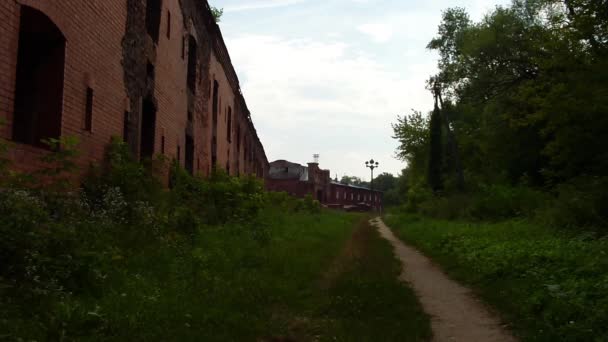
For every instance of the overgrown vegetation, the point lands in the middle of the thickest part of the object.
(125, 259)
(523, 98)
(521, 170)
(551, 286)
(217, 13)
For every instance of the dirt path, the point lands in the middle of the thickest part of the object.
(456, 314)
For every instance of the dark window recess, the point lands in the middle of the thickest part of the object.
(213, 151)
(189, 116)
(214, 123)
(229, 126)
(168, 25)
(126, 127)
(39, 86)
(162, 144)
(183, 47)
(238, 138)
(88, 117)
(192, 62)
(189, 154)
(153, 14)
(148, 129)
(150, 70)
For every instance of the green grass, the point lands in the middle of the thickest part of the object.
(299, 279)
(550, 285)
(361, 299)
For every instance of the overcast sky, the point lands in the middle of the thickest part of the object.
(330, 76)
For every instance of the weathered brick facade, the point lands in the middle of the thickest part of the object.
(155, 72)
(299, 181)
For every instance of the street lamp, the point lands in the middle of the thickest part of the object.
(372, 165)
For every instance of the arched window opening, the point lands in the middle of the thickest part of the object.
(39, 87)
(153, 15)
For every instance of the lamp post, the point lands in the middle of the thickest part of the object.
(372, 165)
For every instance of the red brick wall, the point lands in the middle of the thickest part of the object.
(170, 84)
(293, 187)
(94, 32)
(346, 195)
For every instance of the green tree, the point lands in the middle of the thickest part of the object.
(385, 182)
(434, 176)
(217, 13)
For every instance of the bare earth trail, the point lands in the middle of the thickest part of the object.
(456, 314)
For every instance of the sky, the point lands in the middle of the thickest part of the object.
(329, 77)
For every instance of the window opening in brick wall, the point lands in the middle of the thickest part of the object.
(183, 47)
(148, 129)
(229, 126)
(214, 123)
(238, 138)
(39, 86)
(150, 72)
(189, 154)
(88, 116)
(153, 14)
(168, 25)
(192, 62)
(125, 126)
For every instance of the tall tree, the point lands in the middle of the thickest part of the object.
(435, 167)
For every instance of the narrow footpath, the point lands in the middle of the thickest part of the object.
(456, 314)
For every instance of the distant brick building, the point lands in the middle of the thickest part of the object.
(155, 72)
(298, 180)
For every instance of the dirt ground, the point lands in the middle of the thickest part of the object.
(456, 314)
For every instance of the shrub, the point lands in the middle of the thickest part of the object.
(417, 194)
(308, 204)
(121, 170)
(495, 202)
(581, 202)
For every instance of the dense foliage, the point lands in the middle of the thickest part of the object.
(124, 258)
(524, 95)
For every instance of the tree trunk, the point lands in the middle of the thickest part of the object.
(452, 146)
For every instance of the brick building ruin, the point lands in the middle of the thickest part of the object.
(299, 181)
(155, 72)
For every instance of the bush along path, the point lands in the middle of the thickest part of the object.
(456, 314)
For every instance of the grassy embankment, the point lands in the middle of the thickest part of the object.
(550, 285)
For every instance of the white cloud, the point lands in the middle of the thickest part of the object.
(253, 5)
(337, 90)
(380, 33)
(311, 97)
